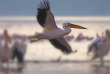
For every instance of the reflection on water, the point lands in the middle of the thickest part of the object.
(10, 71)
(60, 68)
(101, 70)
(45, 51)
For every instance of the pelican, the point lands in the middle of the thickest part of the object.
(100, 47)
(19, 50)
(51, 31)
(5, 52)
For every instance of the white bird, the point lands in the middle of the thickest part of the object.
(19, 50)
(51, 31)
(100, 47)
(5, 52)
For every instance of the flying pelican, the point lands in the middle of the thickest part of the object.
(5, 52)
(100, 47)
(51, 31)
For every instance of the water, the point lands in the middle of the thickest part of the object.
(44, 51)
(60, 68)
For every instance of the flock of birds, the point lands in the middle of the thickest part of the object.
(100, 47)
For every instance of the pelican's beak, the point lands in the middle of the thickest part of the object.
(75, 26)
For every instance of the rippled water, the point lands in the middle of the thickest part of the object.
(60, 68)
(44, 51)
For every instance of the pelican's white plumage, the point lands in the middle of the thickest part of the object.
(100, 47)
(19, 51)
(51, 31)
(5, 52)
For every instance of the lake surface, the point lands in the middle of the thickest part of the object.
(44, 51)
(60, 68)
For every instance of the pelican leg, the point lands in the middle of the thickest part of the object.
(34, 40)
(35, 37)
(101, 61)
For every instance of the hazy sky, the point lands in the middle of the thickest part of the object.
(58, 7)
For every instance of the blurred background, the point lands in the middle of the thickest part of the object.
(18, 17)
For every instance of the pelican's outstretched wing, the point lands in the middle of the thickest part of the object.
(45, 17)
(46, 20)
(61, 44)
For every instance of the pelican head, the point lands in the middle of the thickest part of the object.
(69, 25)
(6, 36)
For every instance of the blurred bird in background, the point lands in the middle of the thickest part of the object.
(100, 47)
(51, 31)
(5, 52)
(18, 51)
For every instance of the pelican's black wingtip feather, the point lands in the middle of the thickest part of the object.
(44, 5)
(42, 12)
